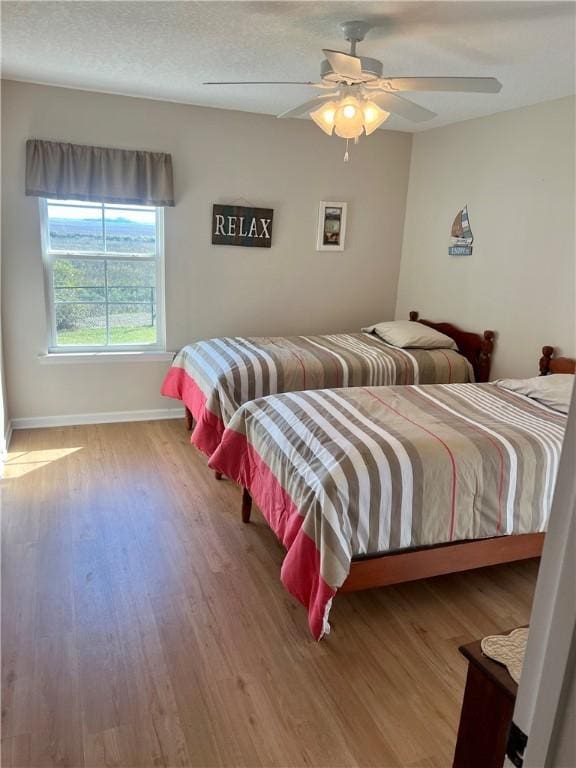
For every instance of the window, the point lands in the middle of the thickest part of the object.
(104, 275)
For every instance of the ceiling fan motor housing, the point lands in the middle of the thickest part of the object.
(355, 31)
(371, 70)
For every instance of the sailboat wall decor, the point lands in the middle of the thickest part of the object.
(461, 235)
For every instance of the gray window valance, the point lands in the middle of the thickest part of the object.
(79, 172)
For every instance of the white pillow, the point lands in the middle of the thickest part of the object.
(554, 390)
(406, 333)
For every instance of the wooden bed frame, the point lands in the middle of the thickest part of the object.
(550, 364)
(385, 569)
(476, 348)
(382, 570)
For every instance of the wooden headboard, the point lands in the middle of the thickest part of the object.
(476, 348)
(550, 364)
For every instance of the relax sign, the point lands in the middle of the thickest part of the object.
(237, 225)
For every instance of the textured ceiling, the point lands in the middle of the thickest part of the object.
(164, 50)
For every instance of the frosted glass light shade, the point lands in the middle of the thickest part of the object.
(349, 120)
(349, 117)
(373, 116)
(324, 117)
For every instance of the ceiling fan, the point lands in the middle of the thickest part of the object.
(359, 99)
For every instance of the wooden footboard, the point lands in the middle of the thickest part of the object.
(422, 563)
(425, 562)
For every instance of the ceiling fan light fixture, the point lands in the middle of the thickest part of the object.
(373, 116)
(349, 117)
(349, 120)
(355, 78)
(324, 117)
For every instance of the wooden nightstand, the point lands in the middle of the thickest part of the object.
(486, 711)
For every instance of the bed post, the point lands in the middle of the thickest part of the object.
(246, 505)
(413, 316)
(189, 419)
(545, 360)
(485, 355)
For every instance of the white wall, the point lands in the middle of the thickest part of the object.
(563, 747)
(219, 156)
(515, 171)
(4, 423)
(546, 702)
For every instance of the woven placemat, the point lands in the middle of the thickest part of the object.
(508, 650)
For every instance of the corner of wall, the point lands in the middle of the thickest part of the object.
(413, 137)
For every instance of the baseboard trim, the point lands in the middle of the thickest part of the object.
(77, 419)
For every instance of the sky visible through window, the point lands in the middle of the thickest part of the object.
(80, 227)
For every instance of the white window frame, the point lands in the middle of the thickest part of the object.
(48, 259)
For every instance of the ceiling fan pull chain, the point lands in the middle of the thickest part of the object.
(346, 155)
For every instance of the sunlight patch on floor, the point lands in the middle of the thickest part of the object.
(20, 463)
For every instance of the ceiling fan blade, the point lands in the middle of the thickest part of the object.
(462, 84)
(264, 82)
(344, 63)
(306, 106)
(399, 106)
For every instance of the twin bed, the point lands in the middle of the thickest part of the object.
(371, 485)
(213, 378)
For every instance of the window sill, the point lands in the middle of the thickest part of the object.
(72, 358)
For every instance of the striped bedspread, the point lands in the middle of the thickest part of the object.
(342, 473)
(213, 378)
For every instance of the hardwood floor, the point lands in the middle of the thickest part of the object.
(144, 625)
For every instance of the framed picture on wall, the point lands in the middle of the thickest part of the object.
(331, 226)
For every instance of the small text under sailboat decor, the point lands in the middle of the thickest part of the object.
(461, 237)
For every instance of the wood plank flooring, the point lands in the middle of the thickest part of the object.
(144, 625)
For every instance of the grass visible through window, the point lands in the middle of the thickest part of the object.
(92, 336)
